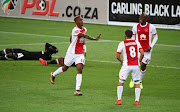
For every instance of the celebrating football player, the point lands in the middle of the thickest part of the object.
(75, 53)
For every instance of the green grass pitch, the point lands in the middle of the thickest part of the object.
(25, 85)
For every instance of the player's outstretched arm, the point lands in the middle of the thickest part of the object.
(89, 37)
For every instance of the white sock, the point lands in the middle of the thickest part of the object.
(142, 75)
(119, 91)
(6, 56)
(137, 93)
(4, 51)
(58, 71)
(78, 81)
(57, 61)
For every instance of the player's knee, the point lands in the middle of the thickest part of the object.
(79, 69)
(65, 68)
(121, 81)
(143, 66)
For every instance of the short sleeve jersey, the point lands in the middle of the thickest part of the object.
(144, 34)
(76, 46)
(130, 49)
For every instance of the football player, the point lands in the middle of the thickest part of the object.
(75, 53)
(21, 54)
(130, 64)
(144, 32)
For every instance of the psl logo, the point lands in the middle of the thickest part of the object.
(42, 6)
(142, 37)
(8, 5)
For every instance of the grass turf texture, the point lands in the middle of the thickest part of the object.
(25, 85)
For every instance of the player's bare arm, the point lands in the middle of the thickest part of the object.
(89, 37)
(119, 58)
(142, 55)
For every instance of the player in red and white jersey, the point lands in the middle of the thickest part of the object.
(144, 32)
(76, 46)
(75, 53)
(130, 49)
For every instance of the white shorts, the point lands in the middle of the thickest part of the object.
(71, 58)
(147, 57)
(126, 70)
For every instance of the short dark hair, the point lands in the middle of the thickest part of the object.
(128, 33)
(76, 18)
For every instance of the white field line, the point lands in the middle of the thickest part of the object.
(68, 38)
(33, 44)
(119, 62)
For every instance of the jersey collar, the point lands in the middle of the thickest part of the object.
(79, 28)
(144, 25)
(130, 39)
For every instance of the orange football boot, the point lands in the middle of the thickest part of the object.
(118, 102)
(137, 103)
(43, 62)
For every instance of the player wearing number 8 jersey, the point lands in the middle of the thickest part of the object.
(129, 48)
(144, 32)
(75, 53)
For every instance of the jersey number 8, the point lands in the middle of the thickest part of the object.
(132, 51)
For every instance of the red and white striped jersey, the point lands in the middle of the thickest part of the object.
(144, 34)
(130, 49)
(76, 46)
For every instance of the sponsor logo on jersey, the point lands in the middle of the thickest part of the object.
(8, 5)
(143, 37)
